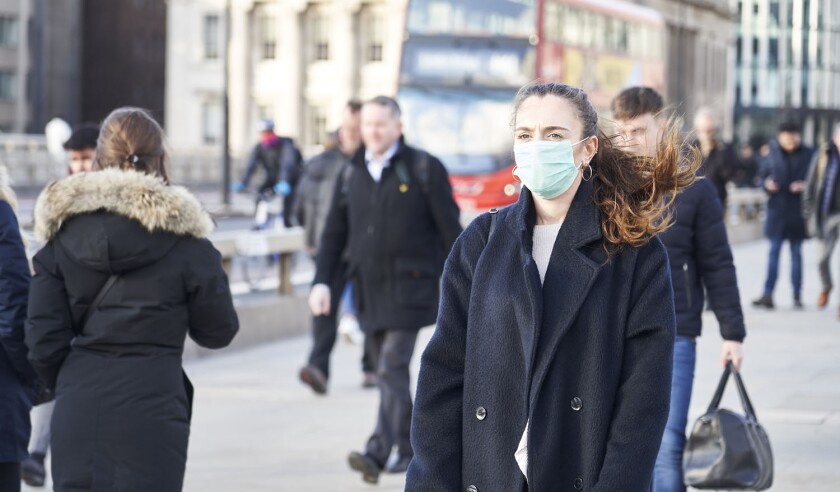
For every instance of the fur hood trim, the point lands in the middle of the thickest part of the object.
(6, 192)
(131, 194)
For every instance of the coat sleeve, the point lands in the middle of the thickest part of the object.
(643, 397)
(716, 267)
(49, 326)
(438, 405)
(333, 239)
(809, 197)
(445, 211)
(253, 162)
(14, 289)
(212, 319)
(289, 162)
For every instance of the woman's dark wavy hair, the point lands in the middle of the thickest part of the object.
(633, 192)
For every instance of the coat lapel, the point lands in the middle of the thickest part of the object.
(570, 275)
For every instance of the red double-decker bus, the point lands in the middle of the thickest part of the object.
(464, 60)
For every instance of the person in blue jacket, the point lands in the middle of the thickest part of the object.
(18, 380)
(700, 258)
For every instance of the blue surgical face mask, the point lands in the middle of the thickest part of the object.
(546, 168)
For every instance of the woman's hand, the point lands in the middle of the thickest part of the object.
(732, 351)
(319, 300)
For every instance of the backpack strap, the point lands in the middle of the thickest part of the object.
(103, 291)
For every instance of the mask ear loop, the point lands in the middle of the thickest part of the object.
(513, 173)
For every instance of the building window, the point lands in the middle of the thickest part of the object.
(375, 37)
(267, 31)
(211, 122)
(317, 125)
(8, 86)
(211, 37)
(320, 37)
(8, 32)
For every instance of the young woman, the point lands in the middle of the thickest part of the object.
(125, 276)
(17, 379)
(550, 368)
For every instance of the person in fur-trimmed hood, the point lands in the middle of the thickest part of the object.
(17, 379)
(126, 274)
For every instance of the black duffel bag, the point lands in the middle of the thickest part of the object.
(727, 450)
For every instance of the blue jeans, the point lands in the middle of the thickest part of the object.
(668, 473)
(795, 267)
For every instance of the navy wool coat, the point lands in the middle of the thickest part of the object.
(586, 357)
(784, 209)
(17, 379)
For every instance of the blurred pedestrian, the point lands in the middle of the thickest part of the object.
(821, 207)
(315, 194)
(81, 150)
(550, 367)
(783, 176)
(126, 274)
(747, 174)
(394, 217)
(281, 163)
(720, 163)
(701, 262)
(18, 381)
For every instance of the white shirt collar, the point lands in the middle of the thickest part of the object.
(376, 167)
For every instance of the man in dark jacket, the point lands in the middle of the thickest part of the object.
(700, 257)
(783, 174)
(720, 163)
(394, 215)
(17, 378)
(313, 199)
(821, 207)
(281, 162)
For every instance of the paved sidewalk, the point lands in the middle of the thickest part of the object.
(256, 428)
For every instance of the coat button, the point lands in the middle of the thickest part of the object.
(578, 484)
(577, 404)
(472, 488)
(481, 413)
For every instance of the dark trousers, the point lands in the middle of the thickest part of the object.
(773, 266)
(10, 477)
(325, 329)
(394, 350)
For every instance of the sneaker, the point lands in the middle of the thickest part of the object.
(370, 380)
(314, 378)
(350, 330)
(366, 465)
(822, 300)
(32, 471)
(764, 301)
(797, 303)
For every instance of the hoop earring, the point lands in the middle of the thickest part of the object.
(591, 172)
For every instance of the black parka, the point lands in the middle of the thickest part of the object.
(586, 357)
(396, 237)
(123, 404)
(701, 258)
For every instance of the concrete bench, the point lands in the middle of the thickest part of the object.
(285, 242)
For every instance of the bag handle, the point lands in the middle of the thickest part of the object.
(742, 391)
(97, 300)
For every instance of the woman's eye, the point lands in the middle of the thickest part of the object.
(523, 136)
(555, 136)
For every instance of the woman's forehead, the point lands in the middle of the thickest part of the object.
(547, 111)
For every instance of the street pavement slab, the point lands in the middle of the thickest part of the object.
(256, 428)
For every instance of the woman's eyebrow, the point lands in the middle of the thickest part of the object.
(545, 129)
